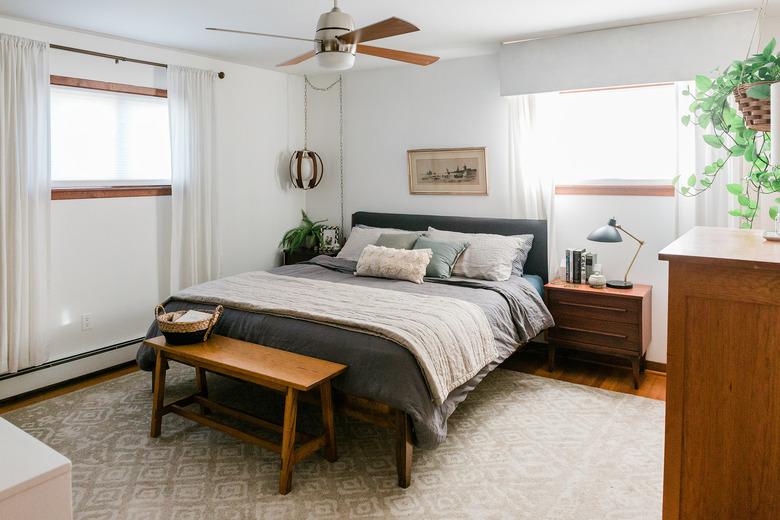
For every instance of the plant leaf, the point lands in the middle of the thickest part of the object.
(769, 49)
(773, 212)
(686, 119)
(735, 212)
(703, 83)
(676, 179)
(692, 181)
(734, 188)
(712, 140)
(743, 200)
(704, 120)
(759, 91)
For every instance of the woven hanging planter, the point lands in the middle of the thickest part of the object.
(755, 112)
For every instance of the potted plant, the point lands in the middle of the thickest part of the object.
(749, 80)
(305, 239)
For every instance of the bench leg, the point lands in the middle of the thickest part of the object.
(203, 387)
(288, 440)
(403, 450)
(160, 367)
(326, 398)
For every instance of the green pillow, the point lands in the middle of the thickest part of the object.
(397, 240)
(445, 254)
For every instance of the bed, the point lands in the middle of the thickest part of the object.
(384, 384)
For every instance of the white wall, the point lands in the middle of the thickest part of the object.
(452, 104)
(110, 257)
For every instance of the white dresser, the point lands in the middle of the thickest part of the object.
(34, 479)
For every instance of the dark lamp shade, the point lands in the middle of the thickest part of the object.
(608, 233)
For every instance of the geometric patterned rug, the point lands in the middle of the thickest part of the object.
(521, 446)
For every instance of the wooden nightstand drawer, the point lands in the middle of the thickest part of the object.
(603, 307)
(624, 336)
(610, 321)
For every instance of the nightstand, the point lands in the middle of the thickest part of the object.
(615, 322)
(301, 255)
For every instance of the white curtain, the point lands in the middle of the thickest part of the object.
(25, 195)
(194, 246)
(711, 207)
(531, 186)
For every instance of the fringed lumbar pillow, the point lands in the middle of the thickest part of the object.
(397, 264)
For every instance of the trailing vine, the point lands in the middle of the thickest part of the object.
(711, 109)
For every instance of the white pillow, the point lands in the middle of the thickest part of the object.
(488, 257)
(397, 264)
(360, 237)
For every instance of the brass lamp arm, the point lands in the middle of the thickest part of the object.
(641, 243)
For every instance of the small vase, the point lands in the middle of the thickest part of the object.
(597, 280)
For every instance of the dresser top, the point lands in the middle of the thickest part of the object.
(724, 246)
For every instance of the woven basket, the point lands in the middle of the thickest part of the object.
(185, 333)
(755, 112)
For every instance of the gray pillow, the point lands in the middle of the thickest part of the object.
(445, 254)
(397, 240)
(525, 242)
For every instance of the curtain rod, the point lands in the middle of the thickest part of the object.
(220, 75)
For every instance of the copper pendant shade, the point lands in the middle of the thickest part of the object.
(306, 169)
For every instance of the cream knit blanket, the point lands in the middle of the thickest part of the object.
(450, 338)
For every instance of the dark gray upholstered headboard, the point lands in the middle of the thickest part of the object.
(537, 258)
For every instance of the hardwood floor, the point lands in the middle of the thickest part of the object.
(67, 387)
(532, 360)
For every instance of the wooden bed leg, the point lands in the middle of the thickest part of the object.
(403, 450)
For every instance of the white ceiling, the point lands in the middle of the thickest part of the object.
(449, 28)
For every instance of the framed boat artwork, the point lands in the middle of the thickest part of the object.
(448, 171)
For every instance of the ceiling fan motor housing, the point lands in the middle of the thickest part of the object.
(331, 52)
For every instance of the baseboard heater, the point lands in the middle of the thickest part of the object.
(70, 359)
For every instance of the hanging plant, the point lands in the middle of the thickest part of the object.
(711, 109)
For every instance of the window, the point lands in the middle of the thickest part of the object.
(627, 135)
(104, 138)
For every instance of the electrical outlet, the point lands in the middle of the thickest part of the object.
(86, 322)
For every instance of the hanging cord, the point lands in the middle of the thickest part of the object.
(340, 83)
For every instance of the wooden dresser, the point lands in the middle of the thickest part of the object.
(722, 456)
(615, 322)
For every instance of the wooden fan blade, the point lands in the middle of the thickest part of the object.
(298, 59)
(392, 54)
(390, 27)
(261, 34)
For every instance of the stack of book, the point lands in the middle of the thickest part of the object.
(579, 265)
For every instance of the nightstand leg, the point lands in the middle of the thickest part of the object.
(550, 356)
(635, 370)
(643, 363)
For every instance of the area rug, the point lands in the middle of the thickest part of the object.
(521, 447)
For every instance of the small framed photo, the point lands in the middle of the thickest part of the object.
(331, 238)
(448, 171)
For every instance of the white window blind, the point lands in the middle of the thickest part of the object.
(102, 138)
(625, 134)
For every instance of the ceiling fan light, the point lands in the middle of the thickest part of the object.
(336, 60)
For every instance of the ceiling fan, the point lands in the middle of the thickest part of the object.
(336, 41)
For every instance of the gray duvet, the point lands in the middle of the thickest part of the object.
(378, 368)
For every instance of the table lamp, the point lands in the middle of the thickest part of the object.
(611, 233)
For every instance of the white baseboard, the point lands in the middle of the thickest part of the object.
(35, 380)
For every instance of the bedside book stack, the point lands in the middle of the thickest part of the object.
(579, 265)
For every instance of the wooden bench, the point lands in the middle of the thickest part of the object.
(269, 367)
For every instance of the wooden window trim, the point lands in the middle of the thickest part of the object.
(109, 192)
(644, 190)
(66, 81)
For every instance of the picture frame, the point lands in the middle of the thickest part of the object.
(331, 239)
(448, 171)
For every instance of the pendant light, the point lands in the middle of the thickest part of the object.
(306, 168)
